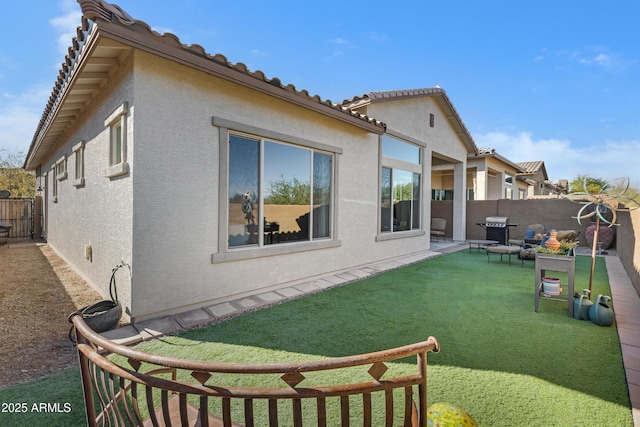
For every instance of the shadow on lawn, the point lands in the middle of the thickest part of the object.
(482, 314)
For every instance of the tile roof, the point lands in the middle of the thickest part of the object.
(533, 167)
(491, 152)
(106, 31)
(370, 97)
(436, 92)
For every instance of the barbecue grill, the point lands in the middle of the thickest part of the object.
(497, 228)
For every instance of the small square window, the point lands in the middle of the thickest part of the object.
(61, 168)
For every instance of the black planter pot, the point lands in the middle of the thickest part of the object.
(103, 315)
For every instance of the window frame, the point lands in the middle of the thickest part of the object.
(226, 253)
(78, 151)
(394, 163)
(117, 126)
(61, 168)
(54, 184)
(508, 178)
(508, 193)
(522, 193)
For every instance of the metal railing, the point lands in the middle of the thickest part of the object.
(139, 388)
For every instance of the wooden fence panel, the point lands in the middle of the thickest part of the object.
(20, 214)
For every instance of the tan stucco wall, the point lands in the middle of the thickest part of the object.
(628, 244)
(162, 218)
(176, 191)
(98, 214)
(486, 176)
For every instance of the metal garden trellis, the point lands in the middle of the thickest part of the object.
(601, 203)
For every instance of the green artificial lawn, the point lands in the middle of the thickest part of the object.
(500, 361)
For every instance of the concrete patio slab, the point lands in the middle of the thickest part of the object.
(307, 287)
(348, 277)
(370, 270)
(336, 279)
(222, 310)
(246, 303)
(154, 328)
(290, 292)
(270, 297)
(125, 335)
(360, 274)
(193, 318)
(322, 284)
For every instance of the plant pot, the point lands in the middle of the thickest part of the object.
(552, 243)
(102, 316)
(605, 235)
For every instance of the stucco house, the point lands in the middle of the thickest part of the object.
(490, 176)
(209, 181)
(493, 176)
(535, 174)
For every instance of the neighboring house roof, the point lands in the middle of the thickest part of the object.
(560, 186)
(435, 92)
(532, 168)
(491, 152)
(106, 32)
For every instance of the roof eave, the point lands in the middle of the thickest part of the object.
(110, 22)
(195, 57)
(519, 169)
(71, 68)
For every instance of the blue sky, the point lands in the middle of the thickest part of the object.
(556, 81)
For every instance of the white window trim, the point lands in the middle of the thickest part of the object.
(54, 185)
(393, 163)
(226, 254)
(61, 168)
(78, 150)
(119, 116)
(509, 179)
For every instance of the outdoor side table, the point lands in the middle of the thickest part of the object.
(548, 262)
(480, 243)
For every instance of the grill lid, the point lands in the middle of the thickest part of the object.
(496, 221)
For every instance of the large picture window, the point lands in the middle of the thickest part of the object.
(278, 192)
(400, 186)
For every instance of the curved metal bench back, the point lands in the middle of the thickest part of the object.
(148, 389)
